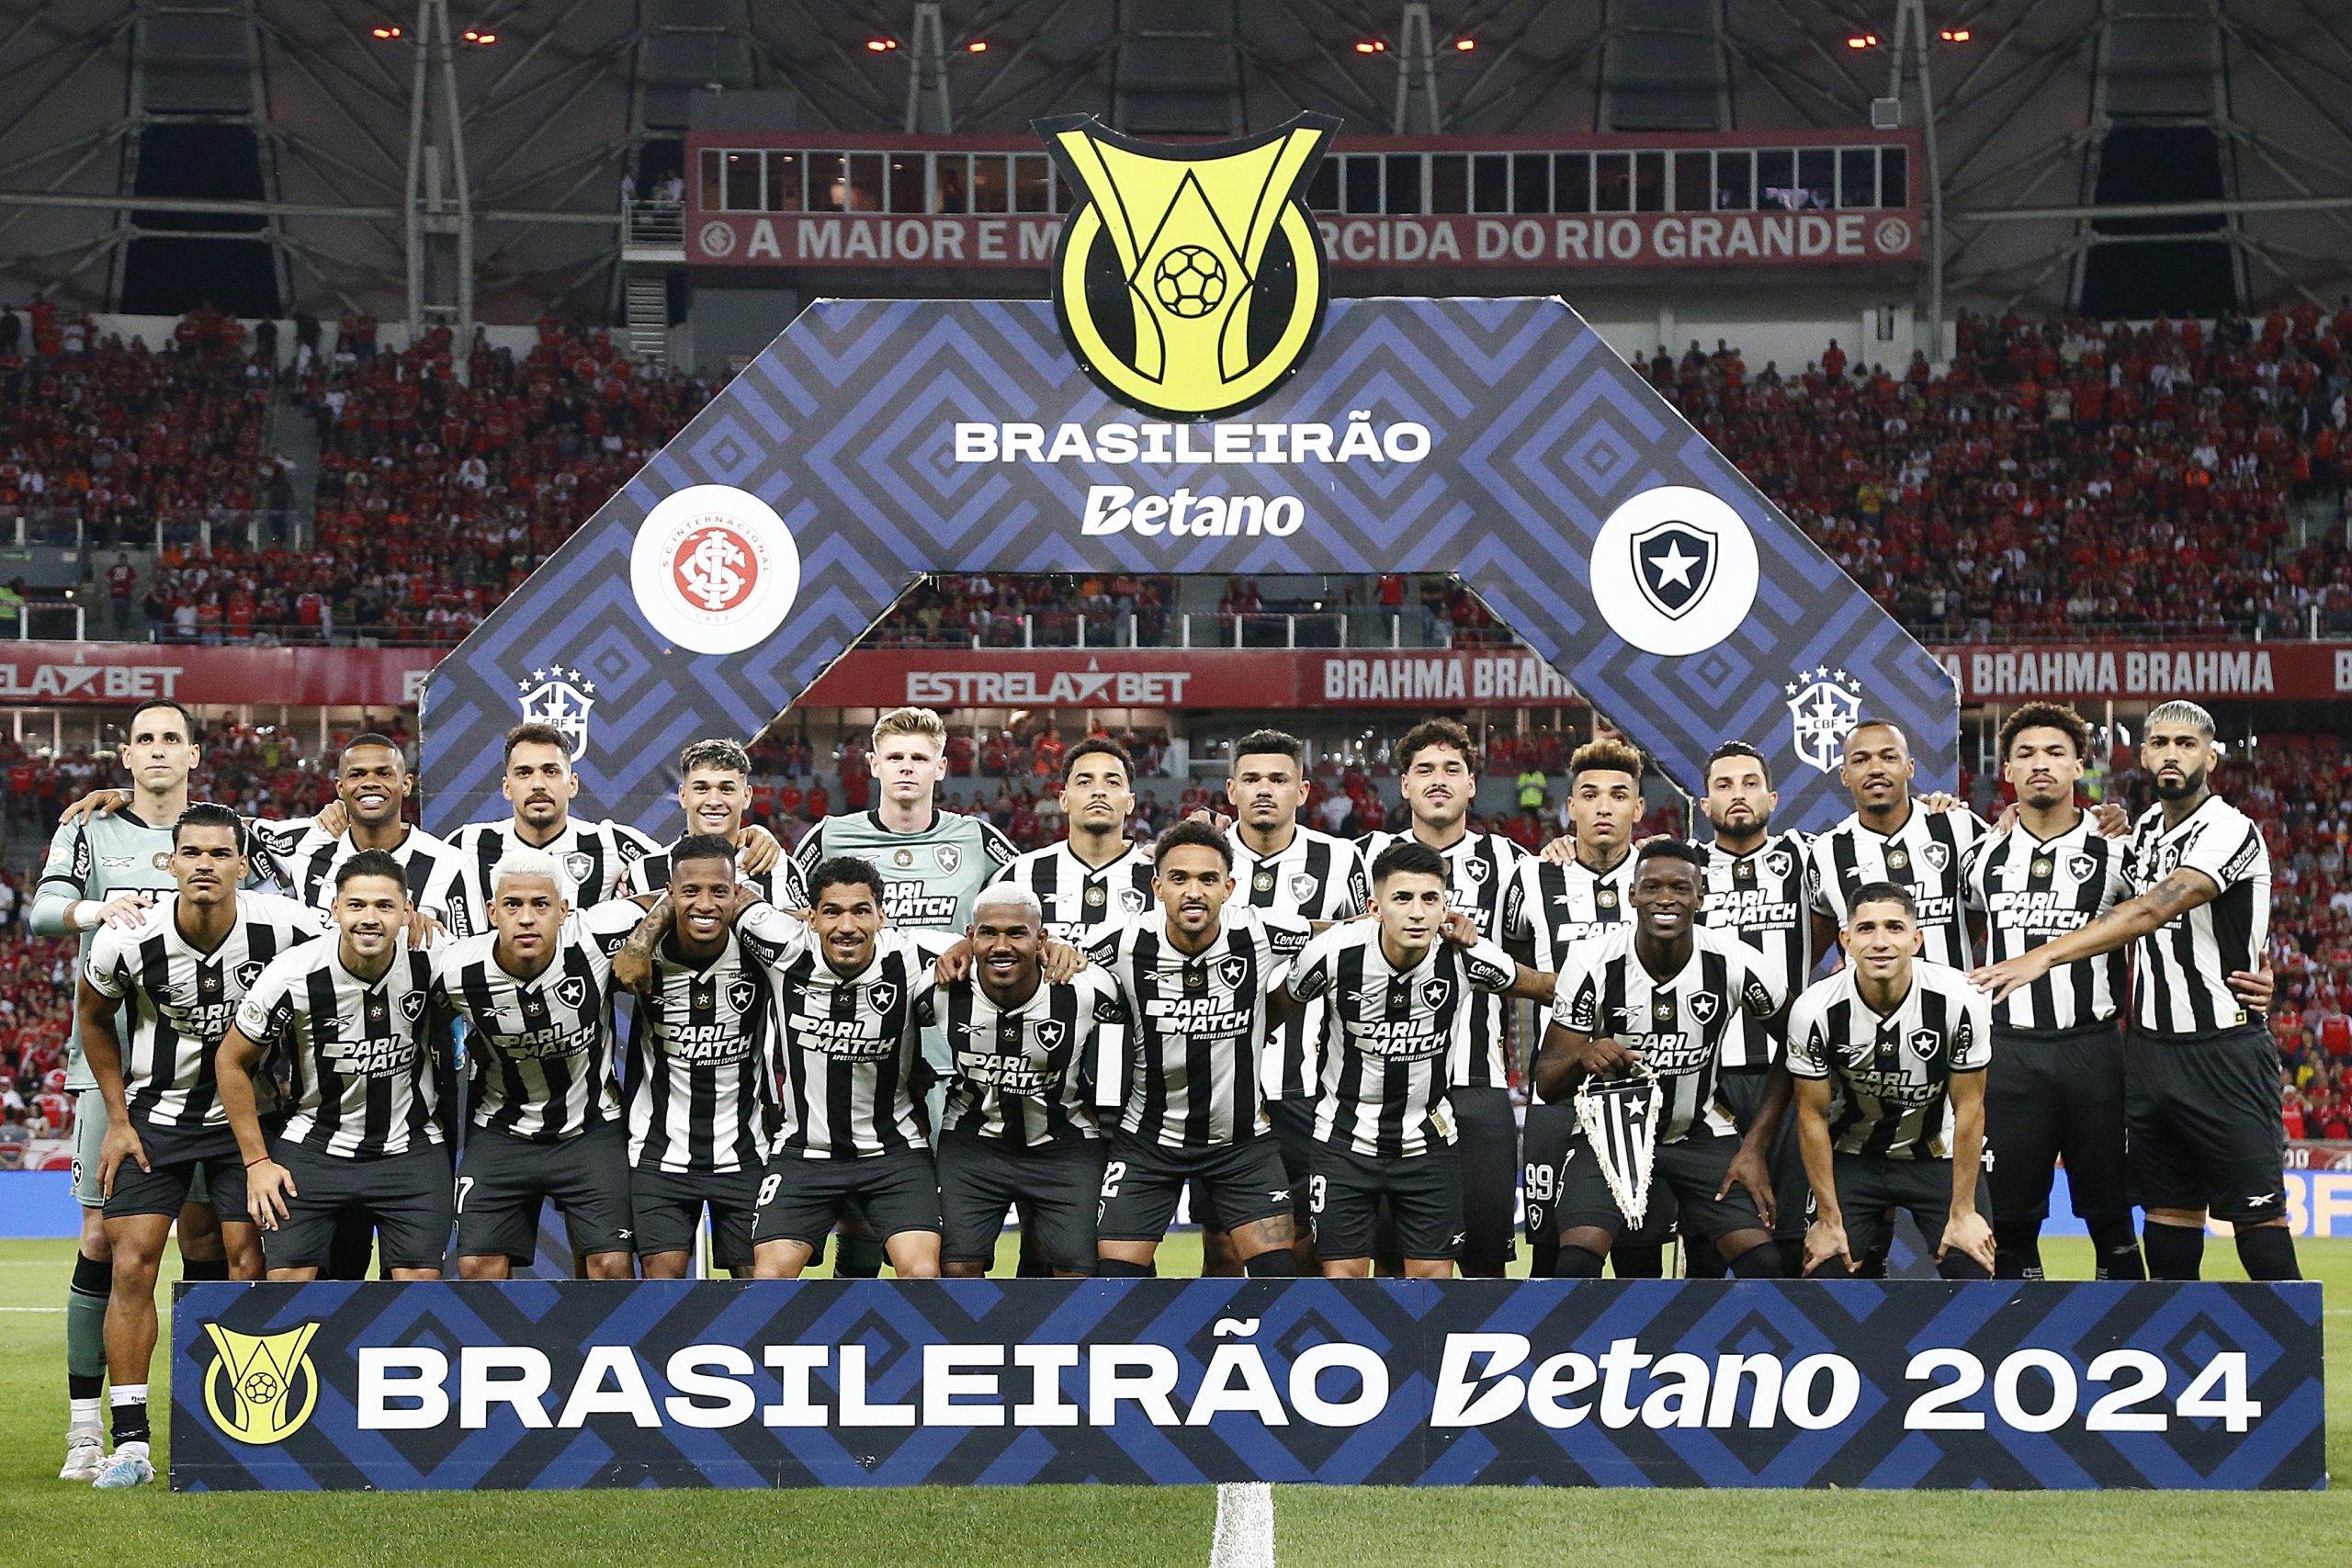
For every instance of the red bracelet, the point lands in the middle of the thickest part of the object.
(263, 1160)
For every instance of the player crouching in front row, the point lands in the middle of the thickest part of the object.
(1905, 1044)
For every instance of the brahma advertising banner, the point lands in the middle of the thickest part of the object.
(1163, 1382)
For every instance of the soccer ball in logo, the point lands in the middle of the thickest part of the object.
(1189, 282)
(260, 1387)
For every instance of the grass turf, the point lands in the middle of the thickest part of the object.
(45, 1520)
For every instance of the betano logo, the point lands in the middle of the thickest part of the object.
(1189, 281)
(258, 1373)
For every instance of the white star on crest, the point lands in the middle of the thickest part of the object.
(1674, 566)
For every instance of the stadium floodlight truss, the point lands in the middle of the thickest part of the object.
(2015, 97)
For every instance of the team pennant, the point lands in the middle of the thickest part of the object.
(1620, 1121)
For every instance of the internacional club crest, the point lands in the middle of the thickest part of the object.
(1823, 707)
(561, 697)
(1191, 279)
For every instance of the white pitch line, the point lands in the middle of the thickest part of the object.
(1245, 1525)
(31, 1309)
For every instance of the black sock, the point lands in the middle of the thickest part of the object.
(1277, 1263)
(1757, 1263)
(1120, 1268)
(2175, 1252)
(1791, 1256)
(204, 1268)
(1544, 1259)
(1872, 1264)
(858, 1258)
(1701, 1262)
(2115, 1251)
(2017, 1249)
(2268, 1252)
(1958, 1265)
(131, 1423)
(1632, 1260)
(1831, 1269)
(1578, 1263)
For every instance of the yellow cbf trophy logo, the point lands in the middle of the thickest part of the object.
(1190, 279)
(250, 1387)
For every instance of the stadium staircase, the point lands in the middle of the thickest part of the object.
(294, 435)
(647, 307)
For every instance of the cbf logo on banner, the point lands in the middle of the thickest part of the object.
(1169, 1382)
(1189, 401)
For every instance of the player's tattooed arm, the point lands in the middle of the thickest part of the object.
(2184, 890)
(633, 963)
(1535, 985)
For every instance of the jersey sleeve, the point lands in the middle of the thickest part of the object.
(636, 880)
(1284, 938)
(608, 924)
(999, 849)
(1105, 1001)
(1576, 998)
(268, 1008)
(1824, 901)
(1358, 898)
(2228, 852)
(64, 875)
(1757, 996)
(1487, 967)
(1808, 1054)
(1104, 948)
(790, 883)
(107, 967)
(1972, 1051)
(810, 850)
(633, 845)
(1516, 927)
(1310, 972)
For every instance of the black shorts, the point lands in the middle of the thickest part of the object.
(1243, 1182)
(2201, 1125)
(179, 1164)
(406, 1199)
(979, 1180)
(1543, 1143)
(2049, 1097)
(503, 1180)
(1870, 1188)
(800, 1199)
(1294, 1121)
(1688, 1171)
(1422, 1193)
(1489, 1145)
(1743, 1090)
(666, 1205)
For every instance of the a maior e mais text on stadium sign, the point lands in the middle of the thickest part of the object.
(1764, 1384)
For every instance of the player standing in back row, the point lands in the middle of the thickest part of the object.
(1893, 836)
(1281, 866)
(2201, 1075)
(1437, 771)
(537, 780)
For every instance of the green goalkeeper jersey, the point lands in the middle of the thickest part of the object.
(929, 876)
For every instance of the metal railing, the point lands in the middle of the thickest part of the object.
(646, 222)
(220, 527)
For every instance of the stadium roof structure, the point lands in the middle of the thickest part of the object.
(459, 160)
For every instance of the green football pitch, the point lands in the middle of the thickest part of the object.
(43, 1520)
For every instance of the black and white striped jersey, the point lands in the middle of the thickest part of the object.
(1890, 1076)
(544, 1045)
(595, 855)
(2032, 890)
(1482, 869)
(435, 883)
(1925, 854)
(358, 1052)
(1023, 1077)
(2180, 971)
(182, 1001)
(780, 885)
(1550, 909)
(1391, 1034)
(1196, 1023)
(1314, 877)
(696, 1060)
(1077, 898)
(844, 1066)
(1764, 897)
(1681, 1025)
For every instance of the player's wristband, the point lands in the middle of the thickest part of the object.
(263, 1160)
